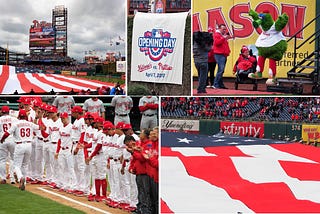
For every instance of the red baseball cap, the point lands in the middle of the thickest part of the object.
(52, 109)
(37, 103)
(108, 125)
(127, 126)
(77, 109)
(64, 115)
(22, 113)
(98, 120)
(244, 48)
(119, 125)
(87, 115)
(5, 109)
(26, 101)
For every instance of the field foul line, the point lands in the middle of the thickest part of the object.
(74, 201)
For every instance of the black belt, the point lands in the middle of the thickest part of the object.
(64, 148)
(45, 141)
(54, 142)
(126, 160)
(121, 115)
(22, 142)
(148, 115)
(40, 138)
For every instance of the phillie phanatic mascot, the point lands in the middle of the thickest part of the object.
(271, 43)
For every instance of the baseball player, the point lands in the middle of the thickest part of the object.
(116, 196)
(94, 105)
(108, 147)
(148, 106)
(128, 183)
(85, 143)
(97, 161)
(52, 130)
(7, 148)
(23, 132)
(64, 104)
(64, 156)
(122, 107)
(78, 127)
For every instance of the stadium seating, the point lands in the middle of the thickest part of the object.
(285, 109)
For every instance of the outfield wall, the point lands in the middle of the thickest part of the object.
(251, 128)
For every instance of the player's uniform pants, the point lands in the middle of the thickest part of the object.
(6, 153)
(21, 158)
(78, 166)
(148, 121)
(65, 162)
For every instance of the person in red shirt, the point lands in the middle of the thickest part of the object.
(152, 166)
(221, 52)
(245, 61)
(138, 167)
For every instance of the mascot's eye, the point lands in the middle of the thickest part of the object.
(262, 15)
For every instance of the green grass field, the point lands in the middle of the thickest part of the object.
(13, 200)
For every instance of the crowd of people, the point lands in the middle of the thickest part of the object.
(263, 108)
(73, 149)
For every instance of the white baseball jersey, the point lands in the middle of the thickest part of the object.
(65, 136)
(93, 106)
(144, 100)
(89, 136)
(23, 131)
(97, 139)
(122, 104)
(77, 128)
(53, 129)
(64, 103)
(6, 121)
(119, 146)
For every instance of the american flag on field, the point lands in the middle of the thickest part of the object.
(232, 174)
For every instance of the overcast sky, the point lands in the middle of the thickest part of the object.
(91, 24)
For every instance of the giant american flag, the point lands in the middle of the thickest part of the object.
(233, 174)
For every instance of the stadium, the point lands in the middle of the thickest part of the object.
(239, 154)
(48, 69)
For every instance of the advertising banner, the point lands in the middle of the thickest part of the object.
(310, 133)
(250, 129)
(41, 38)
(180, 125)
(157, 47)
(234, 14)
(121, 66)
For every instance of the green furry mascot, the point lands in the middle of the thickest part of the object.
(271, 43)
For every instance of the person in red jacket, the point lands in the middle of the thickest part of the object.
(221, 52)
(245, 61)
(138, 167)
(152, 167)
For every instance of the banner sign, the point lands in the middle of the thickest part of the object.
(157, 47)
(234, 14)
(176, 125)
(311, 133)
(121, 66)
(252, 129)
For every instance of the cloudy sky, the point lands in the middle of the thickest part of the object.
(91, 24)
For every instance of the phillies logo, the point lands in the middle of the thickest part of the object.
(156, 44)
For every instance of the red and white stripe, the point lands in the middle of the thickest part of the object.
(257, 178)
(40, 83)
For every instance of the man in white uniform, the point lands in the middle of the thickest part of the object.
(23, 133)
(7, 148)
